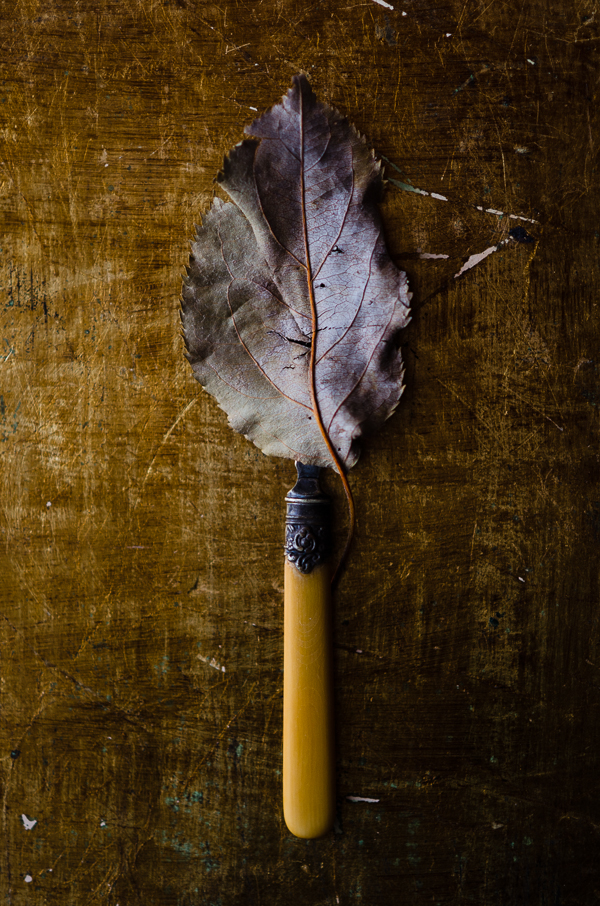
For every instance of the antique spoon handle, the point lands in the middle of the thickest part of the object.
(308, 719)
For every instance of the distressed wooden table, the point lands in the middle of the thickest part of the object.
(141, 539)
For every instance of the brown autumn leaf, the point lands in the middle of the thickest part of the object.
(292, 305)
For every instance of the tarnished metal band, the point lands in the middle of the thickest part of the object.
(306, 545)
(307, 533)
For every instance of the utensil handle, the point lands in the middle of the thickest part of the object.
(308, 719)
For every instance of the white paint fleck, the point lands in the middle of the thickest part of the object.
(531, 61)
(520, 579)
(359, 651)
(410, 188)
(502, 214)
(103, 823)
(448, 34)
(496, 826)
(253, 108)
(405, 14)
(360, 799)
(212, 662)
(383, 3)
(28, 879)
(475, 259)
(430, 256)
(28, 823)
(48, 505)
(522, 149)
(520, 217)
(407, 186)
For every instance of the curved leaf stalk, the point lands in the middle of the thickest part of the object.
(330, 447)
(312, 376)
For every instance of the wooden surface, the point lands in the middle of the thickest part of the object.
(141, 540)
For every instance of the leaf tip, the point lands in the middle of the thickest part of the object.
(300, 80)
(301, 88)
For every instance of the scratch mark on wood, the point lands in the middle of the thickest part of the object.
(181, 415)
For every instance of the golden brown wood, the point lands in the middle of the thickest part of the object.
(141, 589)
(308, 720)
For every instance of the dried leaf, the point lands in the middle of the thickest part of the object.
(292, 305)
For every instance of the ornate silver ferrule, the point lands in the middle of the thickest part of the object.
(307, 532)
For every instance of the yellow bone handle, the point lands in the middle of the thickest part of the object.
(308, 721)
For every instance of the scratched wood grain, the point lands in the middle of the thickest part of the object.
(141, 540)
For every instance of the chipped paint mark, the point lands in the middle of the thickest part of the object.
(383, 3)
(28, 823)
(520, 234)
(503, 214)
(211, 662)
(431, 256)
(472, 260)
(469, 81)
(10, 352)
(360, 799)
(406, 187)
(28, 879)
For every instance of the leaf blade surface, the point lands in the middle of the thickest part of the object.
(292, 284)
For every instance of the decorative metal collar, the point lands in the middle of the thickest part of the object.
(307, 534)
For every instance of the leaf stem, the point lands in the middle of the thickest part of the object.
(330, 447)
(312, 373)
